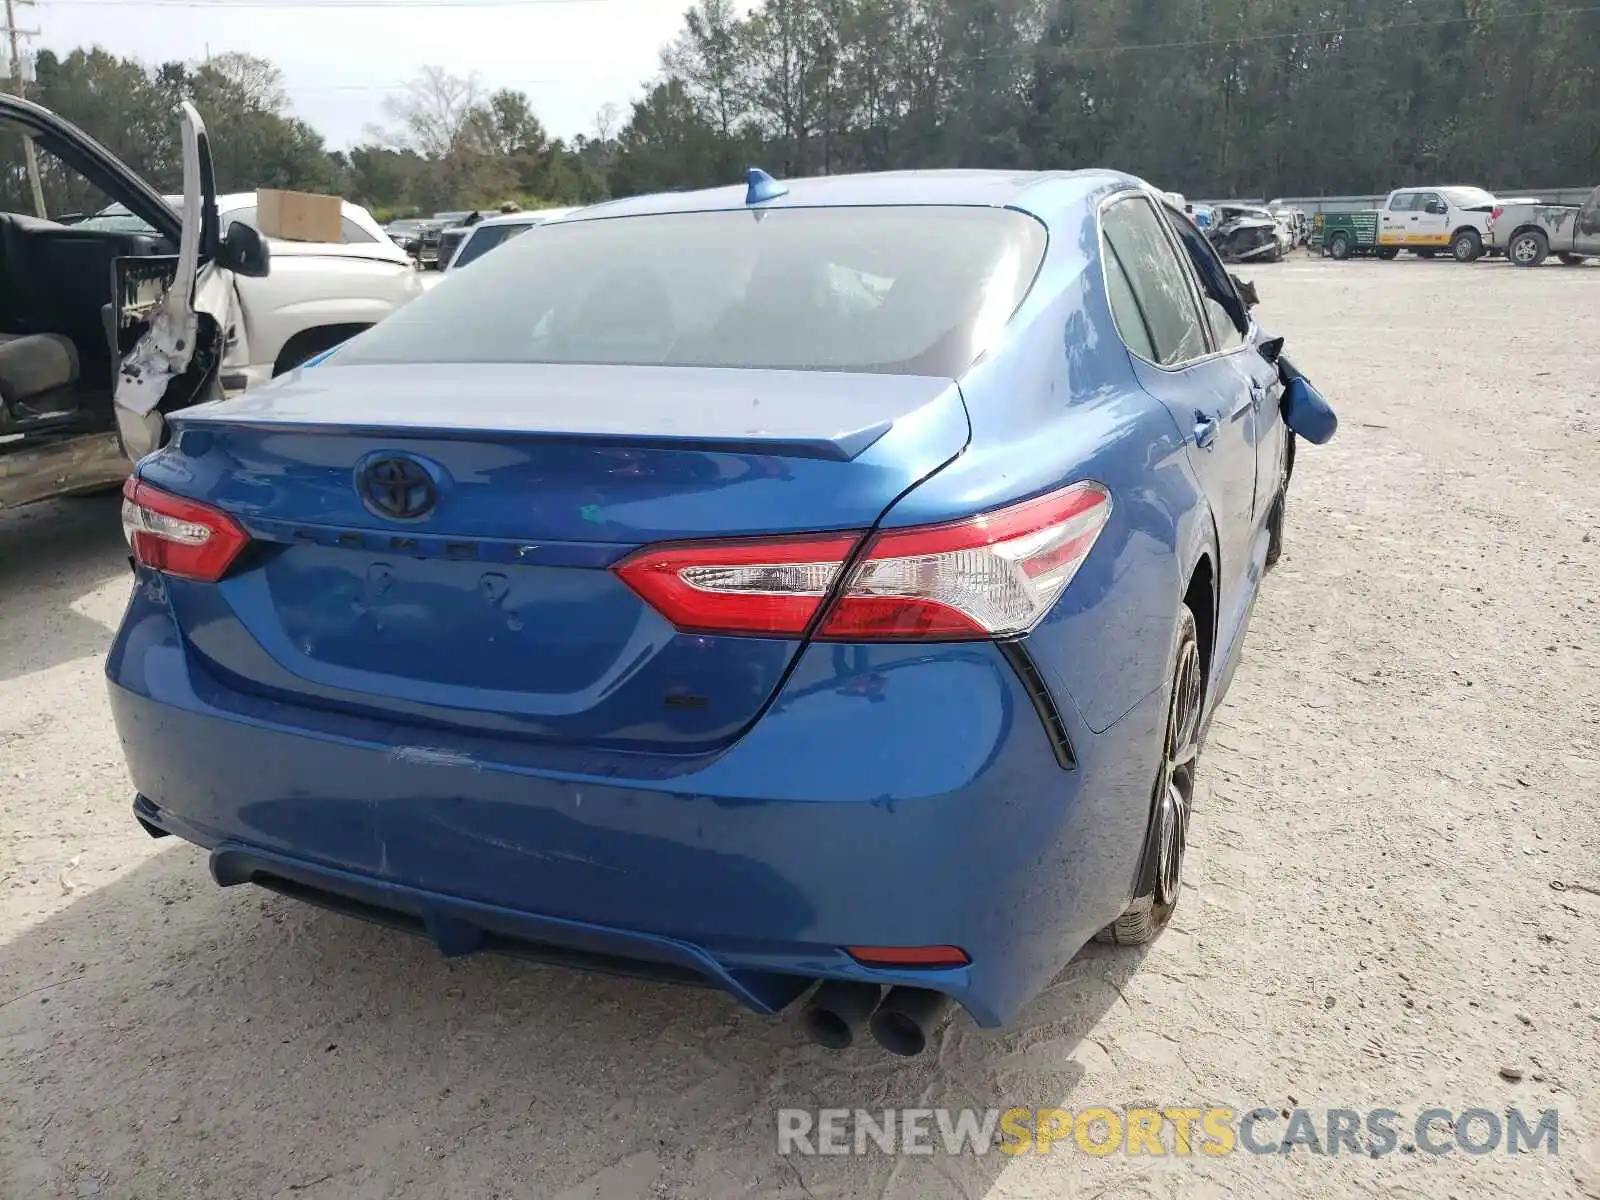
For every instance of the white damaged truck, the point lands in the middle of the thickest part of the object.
(102, 332)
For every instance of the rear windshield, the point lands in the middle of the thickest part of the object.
(904, 290)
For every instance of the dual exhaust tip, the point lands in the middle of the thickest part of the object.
(901, 1021)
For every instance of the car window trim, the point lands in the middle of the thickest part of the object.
(1205, 325)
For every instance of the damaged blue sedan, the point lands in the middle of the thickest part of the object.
(819, 590)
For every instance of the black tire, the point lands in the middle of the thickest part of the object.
(1339, 246)
(1466, 246)
(1529, 248)
(1278, 517)
(1571, 260)
(1275, 524)
(1387, 253)
(1172, 801)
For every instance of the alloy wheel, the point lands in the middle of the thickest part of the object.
(1182, 752)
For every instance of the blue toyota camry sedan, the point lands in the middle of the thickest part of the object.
(792, 584)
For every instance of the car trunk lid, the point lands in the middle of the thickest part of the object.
(494, 609)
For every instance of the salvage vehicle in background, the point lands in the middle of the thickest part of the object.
(1244, 233)
(407, 234)
(477, 240)
(762, 603)
(107, 332)
(430, 233)
(1530, 233)
(1294, 222)
(319, 293)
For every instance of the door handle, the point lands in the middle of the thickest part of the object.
(1205, 430)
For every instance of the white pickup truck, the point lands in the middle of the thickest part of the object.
(1428, 220)
(318, 295)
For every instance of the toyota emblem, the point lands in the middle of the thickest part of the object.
(401, 488)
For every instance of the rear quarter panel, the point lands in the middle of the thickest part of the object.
(1058, 401)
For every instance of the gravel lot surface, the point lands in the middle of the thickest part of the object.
(1406, 767)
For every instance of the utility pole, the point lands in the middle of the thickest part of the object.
(20, 88)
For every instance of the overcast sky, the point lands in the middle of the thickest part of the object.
(341, 57)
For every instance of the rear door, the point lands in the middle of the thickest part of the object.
(1159, 315)
(1237, 335)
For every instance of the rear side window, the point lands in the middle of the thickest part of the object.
(484, 240)
(915, 290)
(1125, 309)
(1132, 232)
(1404, 202)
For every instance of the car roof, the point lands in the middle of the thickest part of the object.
(534, 216)
(998, 189)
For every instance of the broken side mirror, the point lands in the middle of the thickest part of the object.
(245, 252)
(1307, 412)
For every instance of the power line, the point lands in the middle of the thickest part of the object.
(401, 5)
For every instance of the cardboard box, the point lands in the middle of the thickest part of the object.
(299, 216)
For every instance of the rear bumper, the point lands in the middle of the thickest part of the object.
(890, 797)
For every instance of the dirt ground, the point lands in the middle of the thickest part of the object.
(1406, 767)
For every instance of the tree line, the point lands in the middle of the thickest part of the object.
(1263, 97)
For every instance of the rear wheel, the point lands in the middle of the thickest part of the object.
(1161, 879)
(1571, 260)
(1466, 246)
(1339, 246)
(1529, 248)
(1388, 253)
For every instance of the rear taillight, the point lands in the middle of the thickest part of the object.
(177, 536)
(986, 576)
